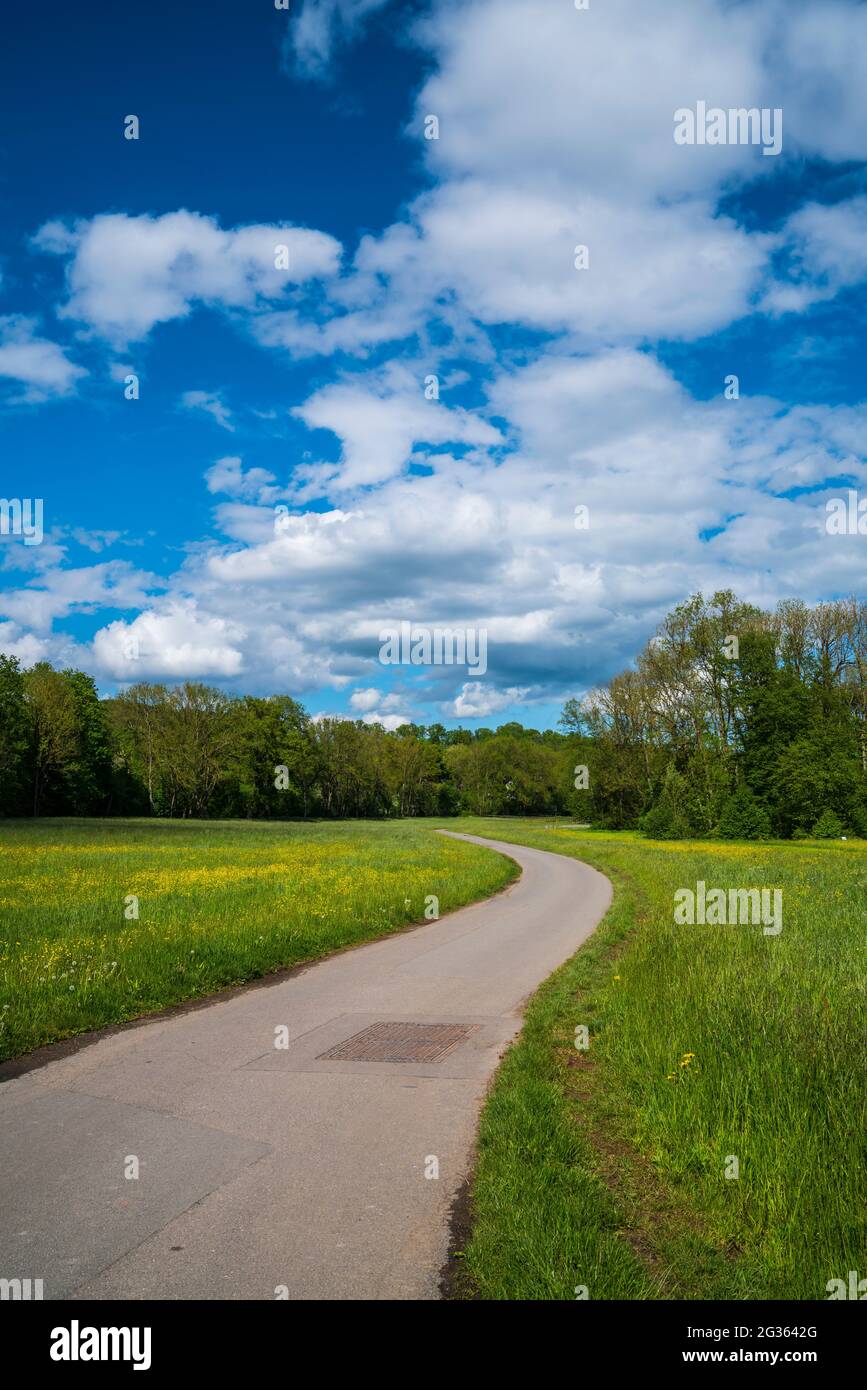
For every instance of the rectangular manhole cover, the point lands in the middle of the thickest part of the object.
(400, 1042)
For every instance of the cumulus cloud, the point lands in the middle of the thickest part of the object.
(681, 495)
(827, 251)
(509, 253)
(556, 130)
(176, 642)
(229, 476)
(57, 592)
(817, 57)
(380, 418)
(479, 701)
(38, 364)
(587, 99)
(389, 722)
(365, 700)
(374, 707)
(493, 544)
(126, 274)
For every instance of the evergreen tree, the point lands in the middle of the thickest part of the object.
(667, 818)
(827, 827)
(743, 817)
(15, 740)
(88, 775)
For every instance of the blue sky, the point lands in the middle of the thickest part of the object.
(410, 257)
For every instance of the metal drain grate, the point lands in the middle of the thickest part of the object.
(400, 1042)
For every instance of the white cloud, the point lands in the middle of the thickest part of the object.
(389, 722)
(320, 26)
(365, 700)
(211, 402)
(29, 649)
(177, 642)
(127, 274)
(827, 244)
(509, 253)
(229, 476)
(586, 100)
(556, 129)
(478, 701)
(57, 592)
(95, 540)
(38, 364)
(818, 58)
(379, 419)
(491, 543)
(376, 708)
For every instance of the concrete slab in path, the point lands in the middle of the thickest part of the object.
(265, 1169)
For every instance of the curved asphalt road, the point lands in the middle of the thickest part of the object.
(265, 1169)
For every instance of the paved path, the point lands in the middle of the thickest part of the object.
(263, 1167)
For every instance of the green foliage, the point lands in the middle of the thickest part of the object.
(827, 827)
(730, 717)
(744, 818)
(707, 780)
(734, 698)
(858, 820)
(667, 818)
(817, 770)
(56, 744)
(88, 774)
(15, 736)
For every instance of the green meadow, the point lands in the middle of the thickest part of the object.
(105, 920)
(708, 1142)
(713, 1051)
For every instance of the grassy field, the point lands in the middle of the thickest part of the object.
(606, 1168)
(602, 1169)
(218, 903)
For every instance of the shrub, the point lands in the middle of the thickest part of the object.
(666, 819)
(859, 821)
(743, 817)
(828, 826)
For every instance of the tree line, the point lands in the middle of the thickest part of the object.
(193, 750)
(735, 721)
(732, 721)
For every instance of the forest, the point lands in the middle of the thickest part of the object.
(733, 721)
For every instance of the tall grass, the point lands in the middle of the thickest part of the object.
(708, 1043)
(218, 903)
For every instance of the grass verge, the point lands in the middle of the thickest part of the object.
(608, 1168)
